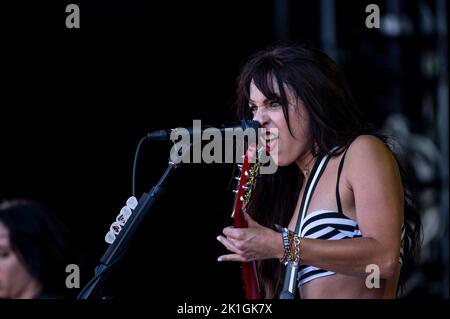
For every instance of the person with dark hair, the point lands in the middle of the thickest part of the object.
(33, 251)
(339, 194)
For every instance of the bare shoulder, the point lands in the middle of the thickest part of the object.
(368, 143)
(368, 155)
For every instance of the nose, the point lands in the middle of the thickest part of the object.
(262, 117)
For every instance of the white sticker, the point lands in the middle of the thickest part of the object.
(110, 237)
(116, 228)
(132, 202)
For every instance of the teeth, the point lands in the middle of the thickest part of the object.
(270, 138)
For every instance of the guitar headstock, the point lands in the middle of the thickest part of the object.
(248, 173)
(121, 219)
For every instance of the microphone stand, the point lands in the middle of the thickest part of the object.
(117, 248)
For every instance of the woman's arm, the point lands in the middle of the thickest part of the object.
(372, 174)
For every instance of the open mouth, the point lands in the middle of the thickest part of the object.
(270, 143)
(269, 138)
(270, 134)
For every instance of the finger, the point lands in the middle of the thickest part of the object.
(231, 257)
(235, 233)
(251, 150)
(228, 245)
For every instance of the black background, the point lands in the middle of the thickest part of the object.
(77, 101)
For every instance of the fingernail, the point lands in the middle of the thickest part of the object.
(218, 238)
(219, 259)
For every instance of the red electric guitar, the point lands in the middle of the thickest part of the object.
(247, 180)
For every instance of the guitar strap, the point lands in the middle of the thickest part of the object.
(290, 277)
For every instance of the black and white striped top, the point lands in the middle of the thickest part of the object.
(329, 225)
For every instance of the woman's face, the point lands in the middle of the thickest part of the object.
(15, 280)
(288, 147)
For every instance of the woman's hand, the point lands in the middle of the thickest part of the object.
(253, 243)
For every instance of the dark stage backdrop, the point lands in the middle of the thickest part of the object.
(76, 103)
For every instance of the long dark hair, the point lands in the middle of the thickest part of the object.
(335, 120)
(41, 242)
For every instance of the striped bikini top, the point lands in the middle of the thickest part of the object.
(324, 224)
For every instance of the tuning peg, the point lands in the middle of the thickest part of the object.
(241, 198)
(246, 173)
(235, 191)
(237, 178)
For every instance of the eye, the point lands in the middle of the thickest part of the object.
(275, 104)
(4, 254)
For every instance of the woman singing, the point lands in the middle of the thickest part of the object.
(354, 216)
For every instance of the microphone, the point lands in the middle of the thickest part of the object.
(163, 135)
